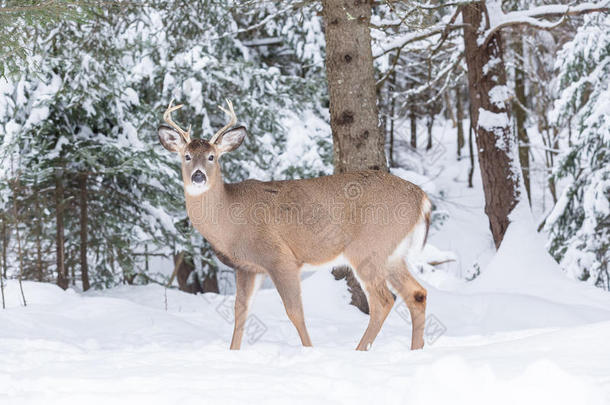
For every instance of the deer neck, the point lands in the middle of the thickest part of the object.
(209, 213)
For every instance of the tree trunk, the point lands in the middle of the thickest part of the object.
(459, 114)
(358, 143)
(392, 114)
(4, 246)
(183, 270)
(39, 267)
(520, 117)
(353, 286)
(471, 152)
(38, 238)
(413, 122)
(357, 140)
(491, 120)
(84, 266)
(430, 125)
(62, 277)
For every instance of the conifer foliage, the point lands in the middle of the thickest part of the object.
(579, 224)
(78, 128)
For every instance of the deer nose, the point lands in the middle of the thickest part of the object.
(198, 177)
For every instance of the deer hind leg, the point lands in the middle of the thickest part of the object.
(414, 296)
(381, 301)
(371, 275)
(288, 284)
(246, 285)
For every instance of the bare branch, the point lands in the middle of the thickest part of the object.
(414, 37)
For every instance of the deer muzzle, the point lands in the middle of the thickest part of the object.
(198, 177)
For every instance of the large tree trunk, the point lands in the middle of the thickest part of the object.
(520, 116)
(84, 266)
(62, 277)
(357, 140)
(491, 119)
(358, 143)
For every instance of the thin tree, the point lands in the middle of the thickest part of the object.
(84, 267)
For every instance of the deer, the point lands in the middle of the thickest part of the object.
(368, 220)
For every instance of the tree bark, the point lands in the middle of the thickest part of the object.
(62, 277)
(392, 114)
(358, 143)
(183, 270)
(459, 115)
(471, 152)
(4, 246)
(520, 117)
(39, 227)
(491, 120)
(357, 140)
(413, 122)
(430, 125)
(84, 266)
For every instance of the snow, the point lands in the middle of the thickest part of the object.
(489, 120)
(531, 17)
(56, 152)
(498, 96)
(521, 332)
(122, 345)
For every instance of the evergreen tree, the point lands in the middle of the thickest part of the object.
(81, 120)
(579, 225)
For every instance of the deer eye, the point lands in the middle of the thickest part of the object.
(187, 157)
(211, 158)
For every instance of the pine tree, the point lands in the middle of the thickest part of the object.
(579, 225)
(85, 111)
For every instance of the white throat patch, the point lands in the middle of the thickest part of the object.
(196, 190)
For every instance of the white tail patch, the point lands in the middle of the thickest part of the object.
(414, 242)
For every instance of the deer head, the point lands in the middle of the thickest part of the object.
(200, 167)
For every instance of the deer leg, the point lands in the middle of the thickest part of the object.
(380, 304)
(414, 296)
(288, 284)
(245, 284)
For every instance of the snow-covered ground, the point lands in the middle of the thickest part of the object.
(123, 346)
(521, 332)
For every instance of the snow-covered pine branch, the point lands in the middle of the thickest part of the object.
(535, 17)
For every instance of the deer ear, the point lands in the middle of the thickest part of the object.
(170, 138)
(230, 140)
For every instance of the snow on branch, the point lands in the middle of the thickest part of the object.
(401, 41)
(532, 17)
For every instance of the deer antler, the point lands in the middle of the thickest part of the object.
(167, 116)
(232, 121)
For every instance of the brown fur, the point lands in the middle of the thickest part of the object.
(276, 227)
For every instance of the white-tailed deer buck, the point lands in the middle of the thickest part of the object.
(369, 220)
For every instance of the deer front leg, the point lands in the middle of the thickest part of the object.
(288, 284)
(245, 284)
